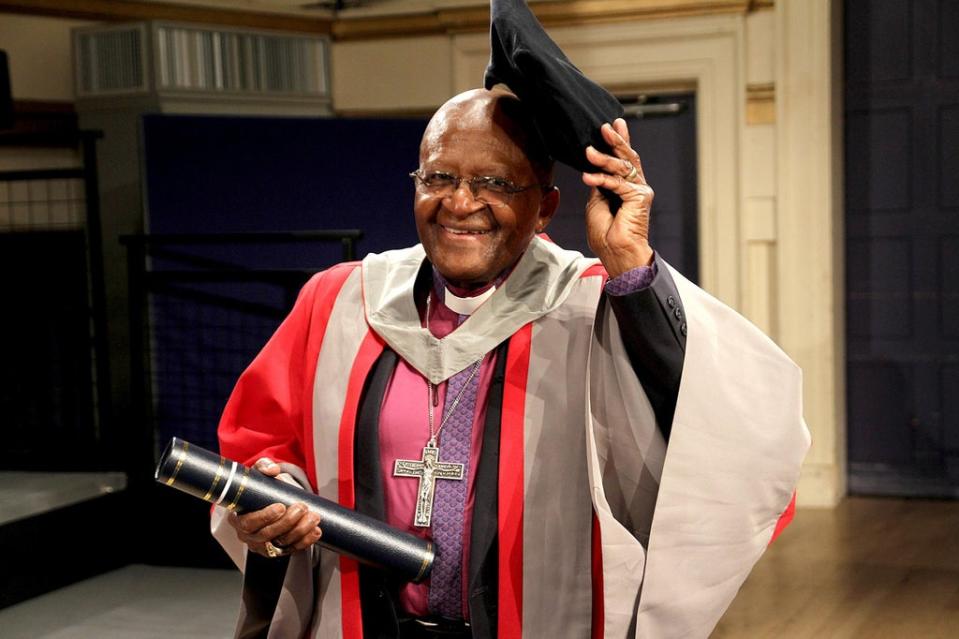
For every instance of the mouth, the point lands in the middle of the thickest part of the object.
(465, 232)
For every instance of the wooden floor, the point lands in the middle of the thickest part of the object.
(871, 568)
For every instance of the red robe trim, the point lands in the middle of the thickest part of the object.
(277, 388)
(511, 478)
(784, 519)
(597, 578)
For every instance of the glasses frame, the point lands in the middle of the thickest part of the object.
(475, 183)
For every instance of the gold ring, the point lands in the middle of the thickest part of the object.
(632, 174)
(272, 550)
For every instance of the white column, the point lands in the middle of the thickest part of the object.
(810, 222)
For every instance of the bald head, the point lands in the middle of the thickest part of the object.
(472, 235)
(495, 110)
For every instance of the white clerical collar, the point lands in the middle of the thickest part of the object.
(466, 305)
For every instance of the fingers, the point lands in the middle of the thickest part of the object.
(622, 172)
(620, 126)
(641, 194)
(624, 157)
(617, 137)
(608, 163)
(304, 534)
(250, 524)
(598, 220)
(267, 466)
(278, 527)
(620, 240)
(294, 528)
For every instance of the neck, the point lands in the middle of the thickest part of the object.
(469, 289)
(461, 289)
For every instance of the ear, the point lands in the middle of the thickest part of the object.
(547, 208)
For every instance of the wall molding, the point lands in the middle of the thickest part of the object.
(551, 14)
(761, 104)
(364, 26)
(135, 10)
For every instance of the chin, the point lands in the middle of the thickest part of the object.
(456, 272)
(463, 269)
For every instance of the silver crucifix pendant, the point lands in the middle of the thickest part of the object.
(428, 470)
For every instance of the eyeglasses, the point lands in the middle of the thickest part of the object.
(496, 191)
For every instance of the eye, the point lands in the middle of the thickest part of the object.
(497, 184)
(438, 180)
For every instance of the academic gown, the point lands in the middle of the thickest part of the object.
(586, 526)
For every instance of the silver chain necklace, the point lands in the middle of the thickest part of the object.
(429, 468)
(429, 385)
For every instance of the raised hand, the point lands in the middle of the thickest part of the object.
(620, 241)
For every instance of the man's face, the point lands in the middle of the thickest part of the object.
(469, 241)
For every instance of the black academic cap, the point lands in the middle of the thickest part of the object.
(568, 108)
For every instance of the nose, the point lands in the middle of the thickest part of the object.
(463, 201)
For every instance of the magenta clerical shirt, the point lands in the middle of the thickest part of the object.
(404, 430)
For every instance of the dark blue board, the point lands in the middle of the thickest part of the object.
(208, 174)
(215, 175)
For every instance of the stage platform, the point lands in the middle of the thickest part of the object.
(25, 494)
(135, 602)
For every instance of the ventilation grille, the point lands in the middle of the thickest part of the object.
(110, 62)
(225, 61)
(206, 61)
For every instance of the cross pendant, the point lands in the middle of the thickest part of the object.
(428, 470)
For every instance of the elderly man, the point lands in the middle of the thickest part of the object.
(549, 383)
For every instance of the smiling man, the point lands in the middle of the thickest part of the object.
(565, 430)
(475, 228)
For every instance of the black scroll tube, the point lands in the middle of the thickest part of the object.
(218, 480)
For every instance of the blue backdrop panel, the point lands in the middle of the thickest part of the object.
(220, 174)
(216, 175)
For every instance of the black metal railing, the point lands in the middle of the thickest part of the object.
(60, 401)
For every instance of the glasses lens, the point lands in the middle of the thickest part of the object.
(493, 189)
(439, 183)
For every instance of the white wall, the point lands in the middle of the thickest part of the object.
(38, 50)
(39, 53)
(398, 74)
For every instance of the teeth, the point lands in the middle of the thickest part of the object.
(465, 232)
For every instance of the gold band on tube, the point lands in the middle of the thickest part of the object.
(179, 464)
(426, 563)
(216, 479)
(239, 491)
